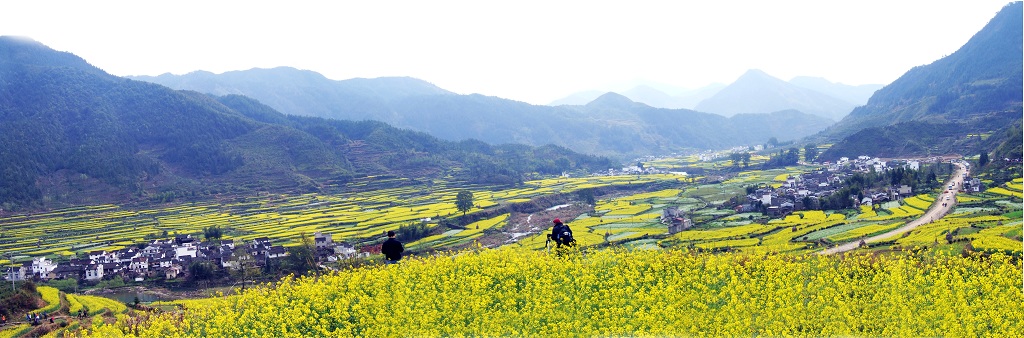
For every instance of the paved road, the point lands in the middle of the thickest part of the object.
(937, 211)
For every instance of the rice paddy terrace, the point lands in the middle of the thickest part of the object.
(986, 221)
(353, 217)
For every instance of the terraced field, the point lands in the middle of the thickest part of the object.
(361, 216)
(375, 204)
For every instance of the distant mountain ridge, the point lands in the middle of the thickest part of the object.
(289, 90)
(625, 130)
(757, 92)
(73, 134)
(648, 95)
(976, 90)
(857, 95)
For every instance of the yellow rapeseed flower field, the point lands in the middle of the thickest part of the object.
(515, 292)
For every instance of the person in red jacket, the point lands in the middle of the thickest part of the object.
(561, 234)
(392, 249)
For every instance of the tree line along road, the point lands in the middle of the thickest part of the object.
(935, 212)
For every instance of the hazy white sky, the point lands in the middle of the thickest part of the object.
(532, 51)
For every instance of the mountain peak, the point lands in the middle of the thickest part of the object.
(757, 75)
(755, 72)
(756, 92)
(612, 100)
(26, 51)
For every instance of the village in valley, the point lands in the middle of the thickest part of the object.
(169, 259)
(805, 191)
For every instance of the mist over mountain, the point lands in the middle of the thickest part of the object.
(288, 90)
(976, 90)
(73, 134)
(757, 92)
(649, 95)
(684, 100)
(624, 129)
(857, 95)
(629, 127)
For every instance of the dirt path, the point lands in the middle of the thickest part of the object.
(937, 211)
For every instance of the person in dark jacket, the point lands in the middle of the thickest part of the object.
(561, 234)
(392, 249)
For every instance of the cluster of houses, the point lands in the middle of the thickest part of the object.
(867, 163)
(788, 198)
(168, 259)
(637, 170)
(709, 156)
(777, 202)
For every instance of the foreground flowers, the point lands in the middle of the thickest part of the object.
(510, 292)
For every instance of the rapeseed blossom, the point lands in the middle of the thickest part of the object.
(514, 292)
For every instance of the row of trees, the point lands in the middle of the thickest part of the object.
(783, 158)
(738, 158)
(859, 184)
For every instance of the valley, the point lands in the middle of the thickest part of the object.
(279, 202)
(626, 217)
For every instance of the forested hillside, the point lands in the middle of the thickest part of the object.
(976, 90)
(71, 133)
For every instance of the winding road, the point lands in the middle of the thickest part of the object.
(936, 211)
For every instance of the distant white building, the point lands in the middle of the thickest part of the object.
(94, 272)
(139, 264)
(913, 165)
(42, 266)
(186, 250)
(16, 273)
(322, 240)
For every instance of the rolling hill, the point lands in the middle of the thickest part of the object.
(74, 134)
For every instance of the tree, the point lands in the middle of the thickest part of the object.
(746, 160)
(587, 196)
(464, 201)
(413, 231)
(983, 160)
(212, 232)
(810, 152)
(199, 271)
(563, 164)
(301, 259)
(735, 158)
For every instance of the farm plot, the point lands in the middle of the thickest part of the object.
(376, 204)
